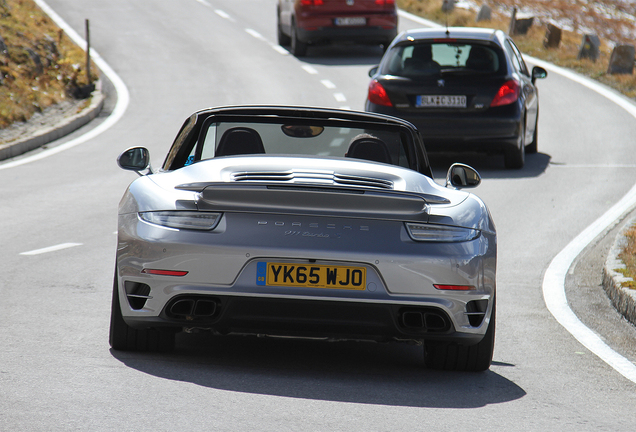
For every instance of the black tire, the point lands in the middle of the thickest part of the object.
(283, 39)
(455, 357)
(122, 337)
(515, 157)
(533, 147)
(298, 48)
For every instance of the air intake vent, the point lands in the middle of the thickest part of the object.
(476, 311)
(326, 178)
(137, 294)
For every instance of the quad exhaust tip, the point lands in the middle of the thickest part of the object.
(424, 320)
(193, 309)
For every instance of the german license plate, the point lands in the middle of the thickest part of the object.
(351, 21)
(441, 101)
(311, 276)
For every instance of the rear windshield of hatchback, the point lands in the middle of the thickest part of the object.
(426, 59)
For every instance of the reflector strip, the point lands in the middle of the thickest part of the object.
(454, 287)
(164, 272)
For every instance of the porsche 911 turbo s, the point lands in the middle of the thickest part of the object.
(302, 23)
(465, 89)
(304, 222)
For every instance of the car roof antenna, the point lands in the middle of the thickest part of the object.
(447, 31)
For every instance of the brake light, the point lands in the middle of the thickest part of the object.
(507, 94)
(311, 2)
(385, 2)
(377, 94)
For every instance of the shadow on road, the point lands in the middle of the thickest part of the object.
(343, 55)
(489, 166)
(355, 372)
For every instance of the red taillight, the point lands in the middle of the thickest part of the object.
(311, 2)
(164, 272)
(507, 94)
(385, 2)
(454, 287)
(377, 94)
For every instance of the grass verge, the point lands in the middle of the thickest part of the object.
(39, 65)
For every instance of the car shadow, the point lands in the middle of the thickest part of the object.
(489, 166)
(343, 55)
(356, 372)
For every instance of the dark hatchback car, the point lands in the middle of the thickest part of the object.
(466, 89)
(311, 22)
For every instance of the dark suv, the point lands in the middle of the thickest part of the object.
(309, 22)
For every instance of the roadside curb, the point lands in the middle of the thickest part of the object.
(49, 134)
(623, 298)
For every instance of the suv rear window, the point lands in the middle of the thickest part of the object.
(425, 59)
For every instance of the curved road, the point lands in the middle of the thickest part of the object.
(59, 218)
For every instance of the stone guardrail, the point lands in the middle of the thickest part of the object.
(623, 298)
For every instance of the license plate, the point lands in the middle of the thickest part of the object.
(311, 276)
(351, 21)
(441, 101)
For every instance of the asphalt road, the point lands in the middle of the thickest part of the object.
(56, 369)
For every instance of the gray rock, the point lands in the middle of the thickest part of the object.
(522, 25)
(590, 47)
(485, 13)
(448, 5)
(622, 60)
(552, 37)
(37, 61)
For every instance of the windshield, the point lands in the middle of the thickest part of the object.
(230, 138)
(438, 58)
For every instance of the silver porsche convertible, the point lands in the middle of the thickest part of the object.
(304, 222)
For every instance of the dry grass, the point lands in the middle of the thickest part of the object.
(628, 255)
(40, 66)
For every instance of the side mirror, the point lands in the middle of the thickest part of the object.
(538, 73)
(462, 176)
(135, 159)
(373, 71)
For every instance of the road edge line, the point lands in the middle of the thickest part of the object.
(554, 278)
(553, 286)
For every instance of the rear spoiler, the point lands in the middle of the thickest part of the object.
(306, 199)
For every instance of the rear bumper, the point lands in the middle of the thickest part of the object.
(312, 319)
(366, 34)
(490, 130)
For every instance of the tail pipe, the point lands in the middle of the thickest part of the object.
(424, 320)
(193, 308)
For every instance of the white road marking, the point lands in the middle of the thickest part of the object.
(51, 249)
(340, 97)
(123, 97)
(554, 278)
(204, 3)
(255, 34)
(279, 49)
(418, 19)
(223, 14)
(328, 84)
(310, 70)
